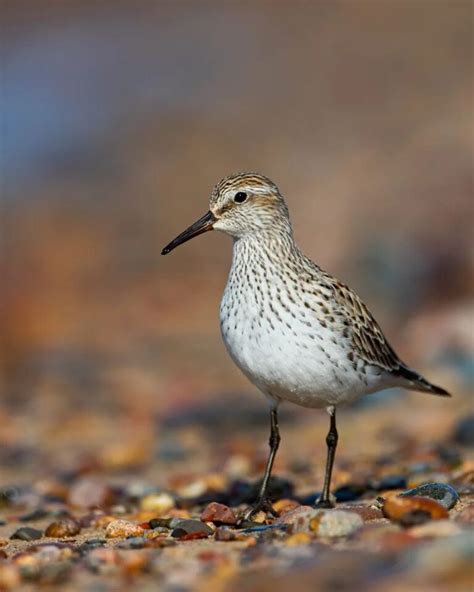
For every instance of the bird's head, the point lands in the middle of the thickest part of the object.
(240, 205)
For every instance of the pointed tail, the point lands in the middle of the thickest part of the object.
(418, 383)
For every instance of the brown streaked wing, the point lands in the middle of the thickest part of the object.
(367, 338)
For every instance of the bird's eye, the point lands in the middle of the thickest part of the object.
(240, 196)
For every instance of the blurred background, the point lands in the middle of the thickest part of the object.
(117, 118)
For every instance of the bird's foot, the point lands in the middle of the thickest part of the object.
(324, 504)
(262, 505)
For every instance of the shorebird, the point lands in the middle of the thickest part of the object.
(296, 332)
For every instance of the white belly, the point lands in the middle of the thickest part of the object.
(294, 359)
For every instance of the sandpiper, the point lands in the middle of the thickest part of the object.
(295, 331)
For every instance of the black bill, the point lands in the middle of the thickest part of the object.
(202, 225)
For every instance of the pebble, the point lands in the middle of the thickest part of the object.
(297, 519)
(219, 514)
(464, 431)
(367, 513)
(26, 533)
(284, 505)
(123, 529)
(224, 534)
(37, 514)
(349, 492)
(137, 542)
(299, 538)
(445, 494)
(90, 492)
(191, 529)
(157, 502)
(389, 482)
(335, 523)
(410, 511)
(66, 527)
(325, 523)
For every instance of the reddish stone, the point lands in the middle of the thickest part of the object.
(90, 492)
(219, 514)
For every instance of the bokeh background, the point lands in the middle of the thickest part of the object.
(117, 118)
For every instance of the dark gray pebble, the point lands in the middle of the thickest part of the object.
(185, 527)
(37, 514)
(464, 432)
(26, 533)
(445, 494)
(390, 482)
(133, 543)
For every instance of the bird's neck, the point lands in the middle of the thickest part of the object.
(269, 245)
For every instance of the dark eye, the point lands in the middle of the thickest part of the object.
(240, 196)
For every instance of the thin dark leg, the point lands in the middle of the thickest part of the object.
(331, 440)
(263, 503)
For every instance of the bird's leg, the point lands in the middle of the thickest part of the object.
(331, 440)
(263, 503)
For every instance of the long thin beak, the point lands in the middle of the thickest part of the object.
(202, 225)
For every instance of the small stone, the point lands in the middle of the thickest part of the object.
(299, 538)
(66, 527)
(160, 523)
(37, 514)
(349, 492)
(225, 534)
(218, 513)
(297, 519)
(90, 492)
(335, 523)
(389, 482)
(133, 543)
(187, 529)
(123, 529)
(192, 490)
(284, 505)
(96, 519)
(444, 494)
(410, 511)
(160, 503)
(464, 432)
(26, 533)
(367, 513)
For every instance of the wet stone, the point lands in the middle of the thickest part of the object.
(413, 510)
(26, 533)
(445, 494)
(191, 529)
